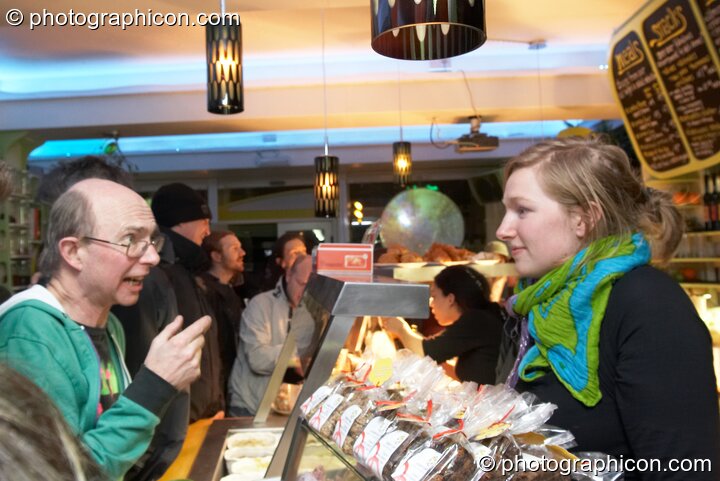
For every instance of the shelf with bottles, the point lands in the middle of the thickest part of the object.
(695, 272)
(700, 285)
(697, 196)
(694, 260)
(703, 233)
(20, 238)
(703, 246)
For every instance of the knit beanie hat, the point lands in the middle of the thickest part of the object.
(175, 203)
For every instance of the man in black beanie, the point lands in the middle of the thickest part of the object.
(184, 217)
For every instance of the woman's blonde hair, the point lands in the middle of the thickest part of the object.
(597, 177)
(36, 443)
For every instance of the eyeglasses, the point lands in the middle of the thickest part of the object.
(135, 248)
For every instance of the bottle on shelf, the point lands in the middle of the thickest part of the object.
(715, 199)
(707, 202)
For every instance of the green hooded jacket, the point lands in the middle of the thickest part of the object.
(39, 340)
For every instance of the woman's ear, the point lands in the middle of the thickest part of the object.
(451, 299)
(583, 222)
(71, 253)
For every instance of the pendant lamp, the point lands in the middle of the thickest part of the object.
(224, 66)
(326, 186)
(402, 162)
(402, 158)
(427, 29)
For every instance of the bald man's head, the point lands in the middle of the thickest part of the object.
(87, 206)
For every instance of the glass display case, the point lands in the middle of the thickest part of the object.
(335, 305)
(337, 308)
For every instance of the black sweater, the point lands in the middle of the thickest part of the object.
(207, 393)
(475, 340)
(659, 398)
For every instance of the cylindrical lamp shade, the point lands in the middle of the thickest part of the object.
(224, 67)
(402, 162)
(327, 187)
(427, 29)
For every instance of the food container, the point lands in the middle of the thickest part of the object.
(286, 398)
(248, 453)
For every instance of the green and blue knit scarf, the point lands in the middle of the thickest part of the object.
(565, 309)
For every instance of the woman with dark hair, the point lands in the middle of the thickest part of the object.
(459, 301)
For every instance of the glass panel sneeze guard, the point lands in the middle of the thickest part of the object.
(335, 305)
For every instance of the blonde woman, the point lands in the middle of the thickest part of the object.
(615, 343)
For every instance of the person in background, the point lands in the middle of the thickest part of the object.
(69, 172)
(500, 286)
(142, 322)
(36, 444)
(459, 301)
(263, 329)
(616, 343)
(100, 245)
(286, 249)
(184, 218)
(226, 263)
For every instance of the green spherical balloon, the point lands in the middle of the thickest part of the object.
(416, 218)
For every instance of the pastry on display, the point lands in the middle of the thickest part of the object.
(396, 254)
(447, 253)
(438, 252)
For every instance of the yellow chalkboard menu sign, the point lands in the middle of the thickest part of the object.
(665, 72)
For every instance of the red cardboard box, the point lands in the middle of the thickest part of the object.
(346, 261)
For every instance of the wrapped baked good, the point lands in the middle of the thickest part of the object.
(443, 408)
(328, 411)
(499, 448)
(346, 430)
(312, 403)
(409, 375)
(323, 403)
(349, 393)
(457, 460)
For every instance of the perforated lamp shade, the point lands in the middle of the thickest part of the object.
(402, 162)
(327, 189)
(427, 29)
(224, 67)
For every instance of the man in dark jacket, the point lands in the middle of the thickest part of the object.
(184, 217)
(226, 256)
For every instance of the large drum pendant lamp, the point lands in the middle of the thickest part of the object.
(427, 29)
(224, 67)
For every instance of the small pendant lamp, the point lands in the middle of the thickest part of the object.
(327, 167)
(224, 65)
(402, 162)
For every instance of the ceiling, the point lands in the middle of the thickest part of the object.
(66, 82)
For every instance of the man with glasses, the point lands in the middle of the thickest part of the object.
(100, 245)
(143, 321)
